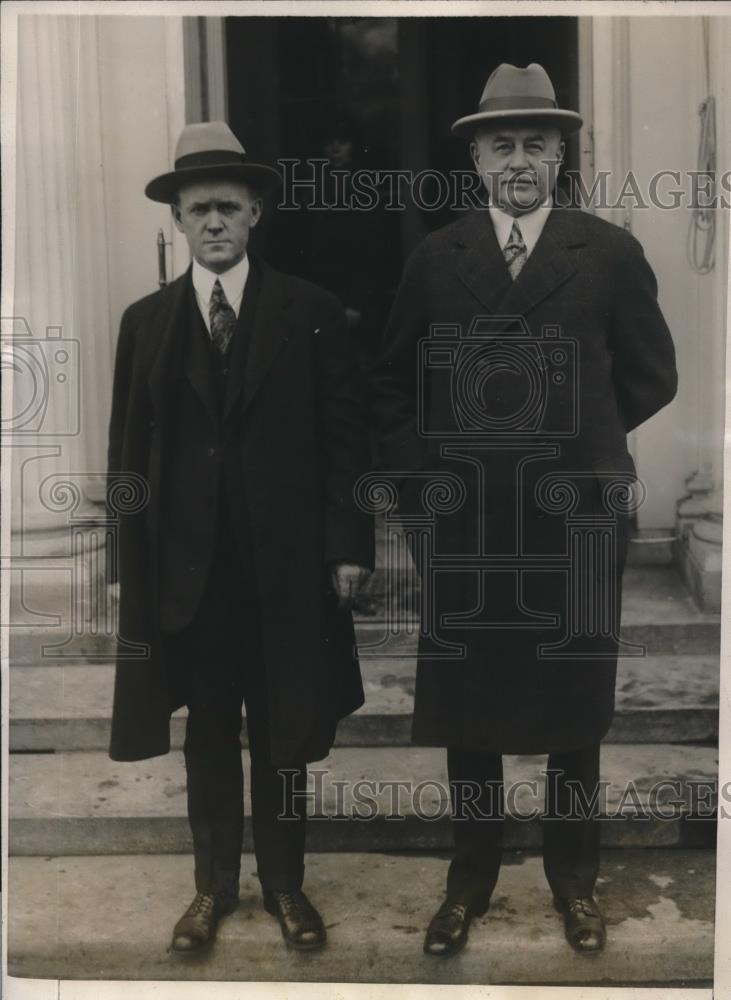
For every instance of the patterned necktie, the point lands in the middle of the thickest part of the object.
(222, 317)
(515, 251)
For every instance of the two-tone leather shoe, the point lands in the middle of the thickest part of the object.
(196, 929)
(449, 927)
(583, 923)
(302, 926)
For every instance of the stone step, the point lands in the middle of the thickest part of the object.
(361, 799)
(111, 918)
(657, 613)
(671, 699)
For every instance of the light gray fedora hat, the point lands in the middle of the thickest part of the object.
(515, 93)
(206, 150)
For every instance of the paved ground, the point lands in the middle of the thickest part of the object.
(101, 917)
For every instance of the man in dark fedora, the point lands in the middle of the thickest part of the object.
(237, 399)
(524, 343)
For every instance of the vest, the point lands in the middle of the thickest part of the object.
(203, 494)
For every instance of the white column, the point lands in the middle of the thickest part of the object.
(611, 107)
(63, 361)
(100, 104)
(649, 79)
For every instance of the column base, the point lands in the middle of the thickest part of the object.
(698, 555)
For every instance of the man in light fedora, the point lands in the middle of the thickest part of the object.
(237, 398)
(524, 342)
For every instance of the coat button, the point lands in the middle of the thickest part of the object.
(211, 452)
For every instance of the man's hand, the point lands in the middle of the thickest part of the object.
(347, 579)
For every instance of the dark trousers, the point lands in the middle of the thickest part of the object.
(215, 666)
(570, 825)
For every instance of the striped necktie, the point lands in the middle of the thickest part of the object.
(515, 251)
(222, 317)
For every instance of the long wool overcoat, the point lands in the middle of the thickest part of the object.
(300, 431)
(517, 398)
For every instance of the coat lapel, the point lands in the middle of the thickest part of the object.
(270, 330)
(482, 268)
(242, 337)
(197, 361)
(481, 265)
(550, 264)
(164, 335)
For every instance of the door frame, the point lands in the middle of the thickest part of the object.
(204, 56)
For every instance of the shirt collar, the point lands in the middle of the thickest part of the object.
(232, 281)
(531, 224)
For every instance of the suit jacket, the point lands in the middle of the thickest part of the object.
(502, 385)
(294, 415)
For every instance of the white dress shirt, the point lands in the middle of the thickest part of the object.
(232, 281)
(531, 225)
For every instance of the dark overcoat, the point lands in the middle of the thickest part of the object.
(517, 398)
(301, 438)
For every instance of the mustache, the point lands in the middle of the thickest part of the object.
(521, 176)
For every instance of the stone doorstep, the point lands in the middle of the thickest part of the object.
(650, 594)
(659, 907)
(658, 612)
(84, 803)
(700, 566)
(695, 636)
(659, 699)
(697, 724)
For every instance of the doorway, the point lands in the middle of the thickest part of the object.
(394, 85)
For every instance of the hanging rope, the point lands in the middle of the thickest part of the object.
(702, 229)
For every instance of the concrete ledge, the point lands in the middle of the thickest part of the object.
(671, 699)
(657, 612)
(651, 547)
(111, 918)
(699, 563)
(84, 803)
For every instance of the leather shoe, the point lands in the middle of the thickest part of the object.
(448, 928)
(197, 927)
(583, 923)
(302, 926)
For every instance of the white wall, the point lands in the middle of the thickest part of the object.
(667, 83)
(657, 84)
